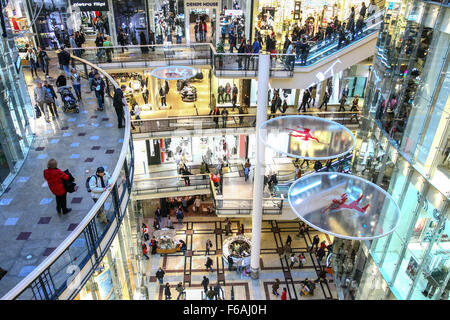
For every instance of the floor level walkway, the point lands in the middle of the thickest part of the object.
(30, 228)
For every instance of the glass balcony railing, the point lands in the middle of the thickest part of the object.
(65, 270)
(147, 186)
(180, 124)
(225, 64)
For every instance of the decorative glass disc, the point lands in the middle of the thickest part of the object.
(307, 137)
(344, 206)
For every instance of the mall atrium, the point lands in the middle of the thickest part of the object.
(224, 150)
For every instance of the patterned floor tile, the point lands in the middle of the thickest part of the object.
(109, 151)
(72, 226)
(96, 148)
(76, 200)
(11, 221)
(75, 144)
(45, 201)
(24, 236)
(48, 251)
(26, 270)
(44, 220)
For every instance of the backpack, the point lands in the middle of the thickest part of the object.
(88, 188)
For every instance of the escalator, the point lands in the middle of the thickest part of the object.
(329, 57)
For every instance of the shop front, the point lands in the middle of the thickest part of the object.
(115, 277)
(281, 17)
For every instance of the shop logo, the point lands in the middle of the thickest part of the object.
(341, 204)
(174, 73)
(305, 135)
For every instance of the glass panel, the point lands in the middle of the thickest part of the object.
(392, 255)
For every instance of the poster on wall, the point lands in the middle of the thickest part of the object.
(411, 269)
(105, 285)
(90, 5)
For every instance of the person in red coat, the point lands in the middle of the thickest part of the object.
(283, 294)
(54, 178)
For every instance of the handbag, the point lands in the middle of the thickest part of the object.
(69, 185)
(38, 112)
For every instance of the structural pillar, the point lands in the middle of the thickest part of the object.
(112, 23)
(258, 187)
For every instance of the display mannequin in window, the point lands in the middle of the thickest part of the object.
(435, 280)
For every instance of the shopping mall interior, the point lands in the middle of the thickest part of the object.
(224, 150)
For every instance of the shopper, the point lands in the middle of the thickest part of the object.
(167, 293)
(32, 60)
(144, 251)
(76, 82)
(61, 81)
(73, 45)
(276, 286)
(145, 232)
(288, 240)
(312, 98)
(216, 115)
(99, 183)
(108, 51)
(196, 205)
(320, 254)
(143, 42)
(43, 60)
(162, 94)
(301, 260)
(317, 165)
(64, 60)
(305, 99)
(315, 243)
(247, 167)
(363, 10)
(180, 215)
(326, 98)
(119, 105)
(218, 290)
(42, 97)
(205, 283)
(342, 103)
(355, 104)
(208, 264)
(154, 244)
(91, 76)
(224, 117)
(208, 246)
(284, 294)
(180, 290)
(151, 39)
(230, 262)
(228, 227)
(210, 293)
(54, 177)
(293, 261)
(99, 86)
(160, 275)
(51, 103)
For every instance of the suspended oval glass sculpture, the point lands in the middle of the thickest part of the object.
(344, 206)
(307, 137)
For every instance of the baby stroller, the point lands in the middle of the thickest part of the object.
(70, 103)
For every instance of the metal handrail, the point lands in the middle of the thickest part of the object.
(247, 115)
(44, 265)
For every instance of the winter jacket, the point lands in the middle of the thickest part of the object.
(54, 179)
(64, 57)
(95, 185)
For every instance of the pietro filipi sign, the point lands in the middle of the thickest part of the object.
(90, 5)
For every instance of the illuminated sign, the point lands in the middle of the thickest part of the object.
(90, 5)
(174, 73)
(202, 4)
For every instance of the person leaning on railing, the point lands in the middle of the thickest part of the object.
(99, 183)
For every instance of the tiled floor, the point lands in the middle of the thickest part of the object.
(189, 268)
(29, 223)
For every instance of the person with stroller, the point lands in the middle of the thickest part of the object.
(76, 82)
